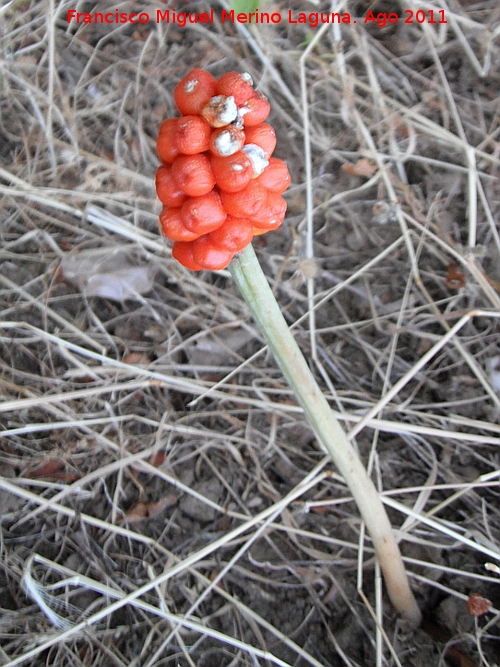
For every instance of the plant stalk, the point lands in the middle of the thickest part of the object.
(252, 283)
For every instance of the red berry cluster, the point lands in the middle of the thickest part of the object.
(218, 183)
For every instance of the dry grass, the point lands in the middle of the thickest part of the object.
(163, 501)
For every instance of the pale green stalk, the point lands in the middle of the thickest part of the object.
(255, 289)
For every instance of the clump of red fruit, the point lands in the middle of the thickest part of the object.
(218, 183)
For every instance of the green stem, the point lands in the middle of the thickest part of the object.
(252, 283)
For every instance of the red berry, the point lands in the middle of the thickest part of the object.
(193, 174)
(247, 203)
(262, 135)
(173, 227)
(272, 214)
(240, 86)
(235, 234)
(166, 144)
(202, 215)
(232, 173)
(255, 110)
(275, 177)
(167, 190)
(210, 256)
(194, 91)
(193, 135)
(182, 251)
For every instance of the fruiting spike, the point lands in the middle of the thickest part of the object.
(218, 182)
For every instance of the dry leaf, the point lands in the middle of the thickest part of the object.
(363, 167)
(108, 273)
(158, 459)
(455, 279)
(136, 358)
(46, 469)
(322, 509)
(52, 470)
(477, 605)
(144, 510)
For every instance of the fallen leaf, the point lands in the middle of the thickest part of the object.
(158, 459)
(53, 470)
(136, 358)
(48, 467)
(108, 273)
(477, 605)
(144, 510)
(455, 279)
(363, 167)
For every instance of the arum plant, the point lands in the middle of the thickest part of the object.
(220, 186)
